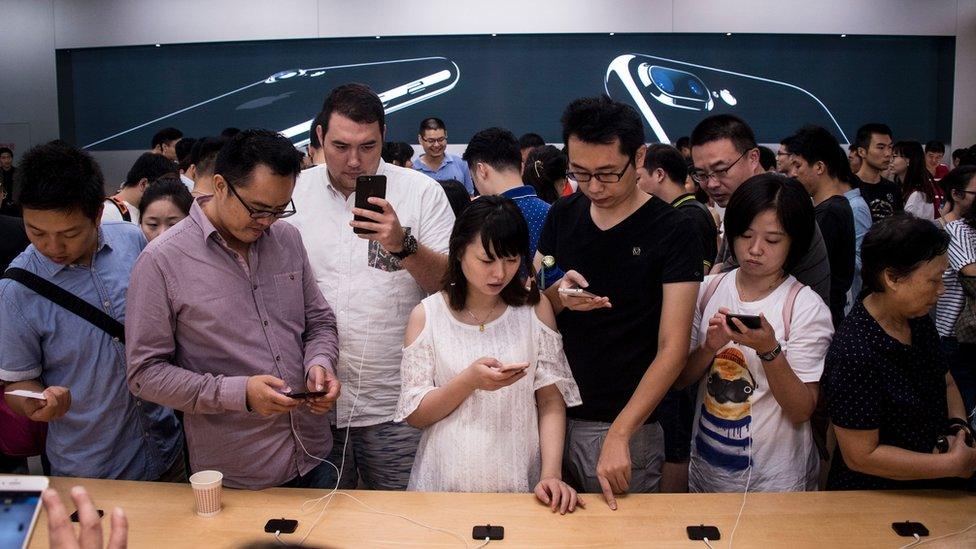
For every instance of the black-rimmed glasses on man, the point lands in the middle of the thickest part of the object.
(264, 214)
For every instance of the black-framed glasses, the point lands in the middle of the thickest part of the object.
(602, 177)
(701, 176)
(264, 214)
(434, 140)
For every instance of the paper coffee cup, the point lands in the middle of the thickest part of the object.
(206, 489)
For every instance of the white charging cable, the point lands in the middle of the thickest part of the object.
(744, 494)
(919, 541)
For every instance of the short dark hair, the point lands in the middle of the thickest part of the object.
(357, 102)
(457, 195)
(898, 245)
(543, 167)
(184, 152)
(504, 233)
(862, 140)
(237, 159)
(6, 150)
(683, 142)
(724, 126)
(431, 123)
(149, 166)
(767, 158)
(395, 151)
(669, 159)
(786, 197)
(167, 187)
(59, 177)
(530, 141)
(815, 144)
(165, 135)
(204, 152)
(935, 146)
(956, 181)
(496, 147)
(313, 136)
(956, 153)
(601, 120)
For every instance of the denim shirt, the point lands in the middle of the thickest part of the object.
(107, 432)
(453, 167)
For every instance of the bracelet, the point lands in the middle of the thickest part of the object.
(953, 421)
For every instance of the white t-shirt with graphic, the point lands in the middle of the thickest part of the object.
(737, 418)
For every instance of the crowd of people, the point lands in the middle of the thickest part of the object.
(606, 317)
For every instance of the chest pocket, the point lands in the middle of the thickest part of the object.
(290, 294)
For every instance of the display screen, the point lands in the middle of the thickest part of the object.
(17, 511)
(117, 98)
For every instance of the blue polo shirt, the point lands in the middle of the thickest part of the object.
(534, 210)
(107, 432)
(453, 167)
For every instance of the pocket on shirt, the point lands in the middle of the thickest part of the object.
(290, 294)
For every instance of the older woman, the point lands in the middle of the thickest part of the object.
(896, 411)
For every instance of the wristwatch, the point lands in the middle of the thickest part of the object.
(409, 247)
(771, 355)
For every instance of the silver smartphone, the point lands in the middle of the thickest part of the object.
(673, 96)
(288, 100)
(20, 503)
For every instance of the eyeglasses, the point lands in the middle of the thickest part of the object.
(602, 177)
(434, 140)
(701, 176)
(263, 214)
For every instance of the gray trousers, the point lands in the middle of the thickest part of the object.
(380, 455)
(584, 440)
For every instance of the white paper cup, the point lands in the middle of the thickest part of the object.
(206, 489)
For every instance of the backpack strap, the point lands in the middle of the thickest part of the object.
(63, 298)
(123, 209)
(709, 292)
(788, 308)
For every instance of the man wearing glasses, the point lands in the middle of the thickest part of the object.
(725, 154)
(224, 320)
(436, 162)
(641, 259)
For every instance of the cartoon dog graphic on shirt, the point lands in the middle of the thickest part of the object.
(724, 438)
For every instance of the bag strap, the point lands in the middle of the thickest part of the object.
(788, 308)
(709, 292)
(69, 301)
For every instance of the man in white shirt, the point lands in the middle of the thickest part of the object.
(372, 280)
(124, 205)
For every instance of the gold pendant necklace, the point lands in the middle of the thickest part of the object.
(481, 323)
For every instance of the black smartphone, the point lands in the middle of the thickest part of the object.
(74, 516)
(909, 529)
(493, 533)
(283, 526)
(751, 322)
(368, 186)
(700, 532)
(306, 395)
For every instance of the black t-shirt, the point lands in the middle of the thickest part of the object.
(701, 218)
(883, 197)
(13, 239)
(7, 206)
(836, 220)
(873, 381)
(609, 350)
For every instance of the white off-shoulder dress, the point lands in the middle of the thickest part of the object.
(490, 443)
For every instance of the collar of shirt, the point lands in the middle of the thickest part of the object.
(448, 160)
(682, 199)
(853, 193)
(52, 268)
(207, 227)
(519, 192)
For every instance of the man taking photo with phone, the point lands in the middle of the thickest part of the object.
(373, 278)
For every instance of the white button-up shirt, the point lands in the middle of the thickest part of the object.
(371, 294)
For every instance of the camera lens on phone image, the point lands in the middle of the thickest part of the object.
(662, 79)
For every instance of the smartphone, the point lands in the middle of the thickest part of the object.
(751, 322)
(576, 292)
(286, 101)
(700, 532)
(909, 529)
(306, 395)
(20, 503)
(282, 526)
(488, 531)
(368, 186)
(673, 96)
(516, 367)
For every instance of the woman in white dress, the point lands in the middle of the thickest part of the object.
(484, 373)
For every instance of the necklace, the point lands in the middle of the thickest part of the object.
(481, 323)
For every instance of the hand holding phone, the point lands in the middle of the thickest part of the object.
(574, 297)
(751, 321)
(368, 186)
(515, 367)
(577, 292)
